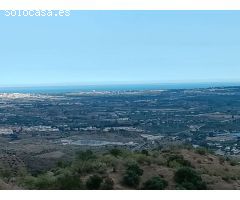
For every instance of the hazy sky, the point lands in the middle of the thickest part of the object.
(120, 46)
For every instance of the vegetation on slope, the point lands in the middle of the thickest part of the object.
(174, 168)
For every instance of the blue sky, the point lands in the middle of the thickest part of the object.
(99, 47)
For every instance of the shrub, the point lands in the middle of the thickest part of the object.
(85, 162)
(226, 178)
(136, 169)
(233, 162)
(108, 184)
(131, 179)
(99, 167)
(68, 182)
(201, 151)
(94, 182)
(63, 164)
(44, 182)
(132, 175)
(221, 160)
(6, 173)
(176, 161)
(115, 152)
(110, 161)
(83, 167)
(187, 178)
(85, 155)
(143, 159)
(145, 152)
(155, 183)
(29, 182)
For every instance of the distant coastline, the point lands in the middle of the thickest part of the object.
(113, 87)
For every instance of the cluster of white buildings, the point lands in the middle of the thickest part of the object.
(6, 131)
(14, 95)
(122, 128)
(40, 129)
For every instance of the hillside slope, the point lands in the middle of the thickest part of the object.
(173, 168)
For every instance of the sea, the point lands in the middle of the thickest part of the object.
(114, 87)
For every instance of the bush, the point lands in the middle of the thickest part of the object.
(131, 179)
(115, 152)
(83, 167)
(226, 178)
(84, 163)
(99, 167)
(187, 178)
(94, 182)
(132, 175)
(63, 164)
(68, 182)
(221, 160)
(143, 159)
(201, 150)
(155, 183)
(85, 155)
(233, 163)
(110, 161)
(108, 184)
(44, 182)
(6, 173)
(135, 169)
(177, 161)
(28, 182)
(145, 152)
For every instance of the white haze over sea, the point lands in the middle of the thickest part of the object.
(114, 87)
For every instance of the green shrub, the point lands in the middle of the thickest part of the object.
(85, 155)
(177, 161)
(233, 162)
(145, 152)
(6, 173)
(132, 175)
(131, 179)
(130, 161)
(155, 154)
(44, 182)
(187, 178)
(68, 182)
(136, 169)
(115, 152)
(94, 182)
(85, 162)
(29, 182)
(83, 167)
(143, 159)
(63, 164)
(155, 183)
(110, 161)
(99, 167)
(201, 150)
